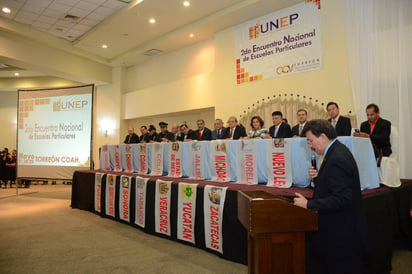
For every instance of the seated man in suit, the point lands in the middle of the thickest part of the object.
(302, 118)
(132, 137)
(164, 135)
(187, 134)
(279, 129)
(219, 130)
(175, 130)
(340, 123)
(143, 131)
(341, 240)
(234, 131)
(152, 134)
(378, 129)
(202, 133)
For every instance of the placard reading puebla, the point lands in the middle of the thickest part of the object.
(281, 43)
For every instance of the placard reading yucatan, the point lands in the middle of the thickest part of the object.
(186, 212)
(281, 43)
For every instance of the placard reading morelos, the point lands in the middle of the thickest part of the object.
(282, 43)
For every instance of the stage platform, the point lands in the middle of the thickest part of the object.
(387, 211)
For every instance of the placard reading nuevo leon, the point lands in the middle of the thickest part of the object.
(281, 43)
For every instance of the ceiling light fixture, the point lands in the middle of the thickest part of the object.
(104, 46)
(191, 35)
(6, 10)
(16, 74)
(152, 20)
(186, 3)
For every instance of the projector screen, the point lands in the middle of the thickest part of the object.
(54, 132)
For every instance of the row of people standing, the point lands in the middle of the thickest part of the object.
(8, 162)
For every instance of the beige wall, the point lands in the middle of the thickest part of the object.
(8, 119)
(203, 76)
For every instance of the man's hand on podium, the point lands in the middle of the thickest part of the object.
(299, 200)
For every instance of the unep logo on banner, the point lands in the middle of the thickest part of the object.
(272, 25)
(278, 44)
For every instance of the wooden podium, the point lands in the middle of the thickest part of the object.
(276, 230)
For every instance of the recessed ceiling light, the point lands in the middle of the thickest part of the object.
(16, 74)
(152, 20)
(104, 46)
(191, 35)
(6, 10)
(186, 3)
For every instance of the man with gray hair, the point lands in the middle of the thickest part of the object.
(219, 130)
(234, 131)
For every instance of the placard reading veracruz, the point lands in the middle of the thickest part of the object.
(281, 43)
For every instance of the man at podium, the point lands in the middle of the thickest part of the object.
(341, 239)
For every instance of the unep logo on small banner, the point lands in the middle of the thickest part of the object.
(213, 205)
(162, 207)
(281, 43)
(186, 212)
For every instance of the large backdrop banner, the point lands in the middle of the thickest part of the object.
(281, 43)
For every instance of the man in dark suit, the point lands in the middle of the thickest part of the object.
(234, 131)
(341, 124)
(144, 134)
(187, 134)
(376, 128)
(152, 134)
(219, 130)
(202, 133)
(302, 118)
(279, 129)
(132, 137)
(341, 240)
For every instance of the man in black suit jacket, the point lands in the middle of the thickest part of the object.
(279, 129)
(186, 134)
(144, 134)
(234, 131)
(341, 240)
(202, 133)
(132, 137)
(219, 130)
(341, 124)
(302, 118)
(378, 129)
